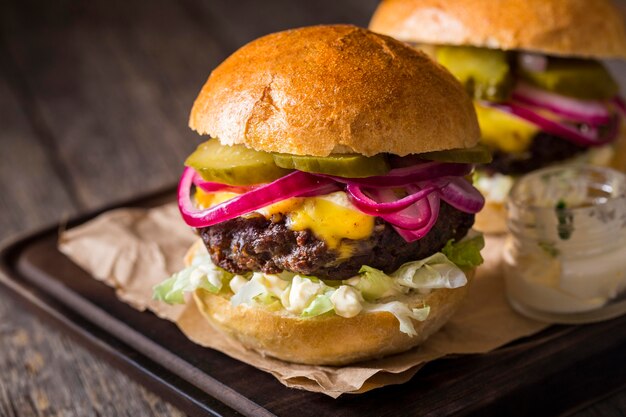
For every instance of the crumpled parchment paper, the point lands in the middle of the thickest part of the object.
(133, 249)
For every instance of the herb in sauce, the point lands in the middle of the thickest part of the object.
(566, 220)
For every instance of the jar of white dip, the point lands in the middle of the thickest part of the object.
(565, 256)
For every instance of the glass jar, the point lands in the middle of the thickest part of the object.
(565, 255)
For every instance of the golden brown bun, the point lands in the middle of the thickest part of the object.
(334, 89)
(582, 28)
(328, 339)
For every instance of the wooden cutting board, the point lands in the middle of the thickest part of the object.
(556, 371)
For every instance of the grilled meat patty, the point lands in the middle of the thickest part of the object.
(254, 243)
(544, 150)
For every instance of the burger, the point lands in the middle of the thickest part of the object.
(331, 199)
(532, 66)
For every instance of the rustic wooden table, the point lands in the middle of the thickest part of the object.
(94, 99)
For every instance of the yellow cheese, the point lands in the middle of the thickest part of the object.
(504, 131)
(330, 218)
(331, 222)
(205, 200)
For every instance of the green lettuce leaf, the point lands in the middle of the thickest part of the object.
(248, 293)
(403, 313)
(436, 271)
(202, 274)
(320, 305)
(172, 290)
(375, 284)
(465, 253)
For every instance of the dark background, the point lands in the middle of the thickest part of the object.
(94, 100)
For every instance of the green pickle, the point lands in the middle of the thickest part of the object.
(479, 154)
(234, 165)
(485, 73)
(584, 79)
(341, 165)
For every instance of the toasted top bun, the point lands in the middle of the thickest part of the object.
(334, 89)
(328, 339)
(580, 28)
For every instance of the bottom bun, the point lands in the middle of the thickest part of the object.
(328, 339)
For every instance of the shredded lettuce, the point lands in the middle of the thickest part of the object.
(247, 294)
(371, 290)
(201, 274)
(466, 252)
(320, 305)
(301, 293)
(375, 284)
(436, 271)
(403, 313)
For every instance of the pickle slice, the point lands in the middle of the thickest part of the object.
(485, 73)
(585, 79)
(233, 165)
(479, 154)
(341, 165)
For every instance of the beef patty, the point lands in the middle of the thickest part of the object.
(544, 150)
(254, 243)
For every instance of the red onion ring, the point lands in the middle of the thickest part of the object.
(374, 208)
(592, 112)
(413, 217)
(291, 185)
(413, 235)
(559, 129)
(461, 195)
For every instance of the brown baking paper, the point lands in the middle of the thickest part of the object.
(134, 249)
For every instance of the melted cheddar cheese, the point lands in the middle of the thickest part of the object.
(330, 221)
(330, 218)
(205, 200)
(504, 131)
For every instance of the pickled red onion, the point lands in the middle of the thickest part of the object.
(291, 185)
(413, 217)
(413, 235)
(593, 112)
(571, 133)
(461, 195)
(392, 204)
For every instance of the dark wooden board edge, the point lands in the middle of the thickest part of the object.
(186, 396)
(144, 371)
(138, 367)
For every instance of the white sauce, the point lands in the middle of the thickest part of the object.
(237, 282)
(214, 277)
(300, 295)
(347, 301)
(565, 286)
